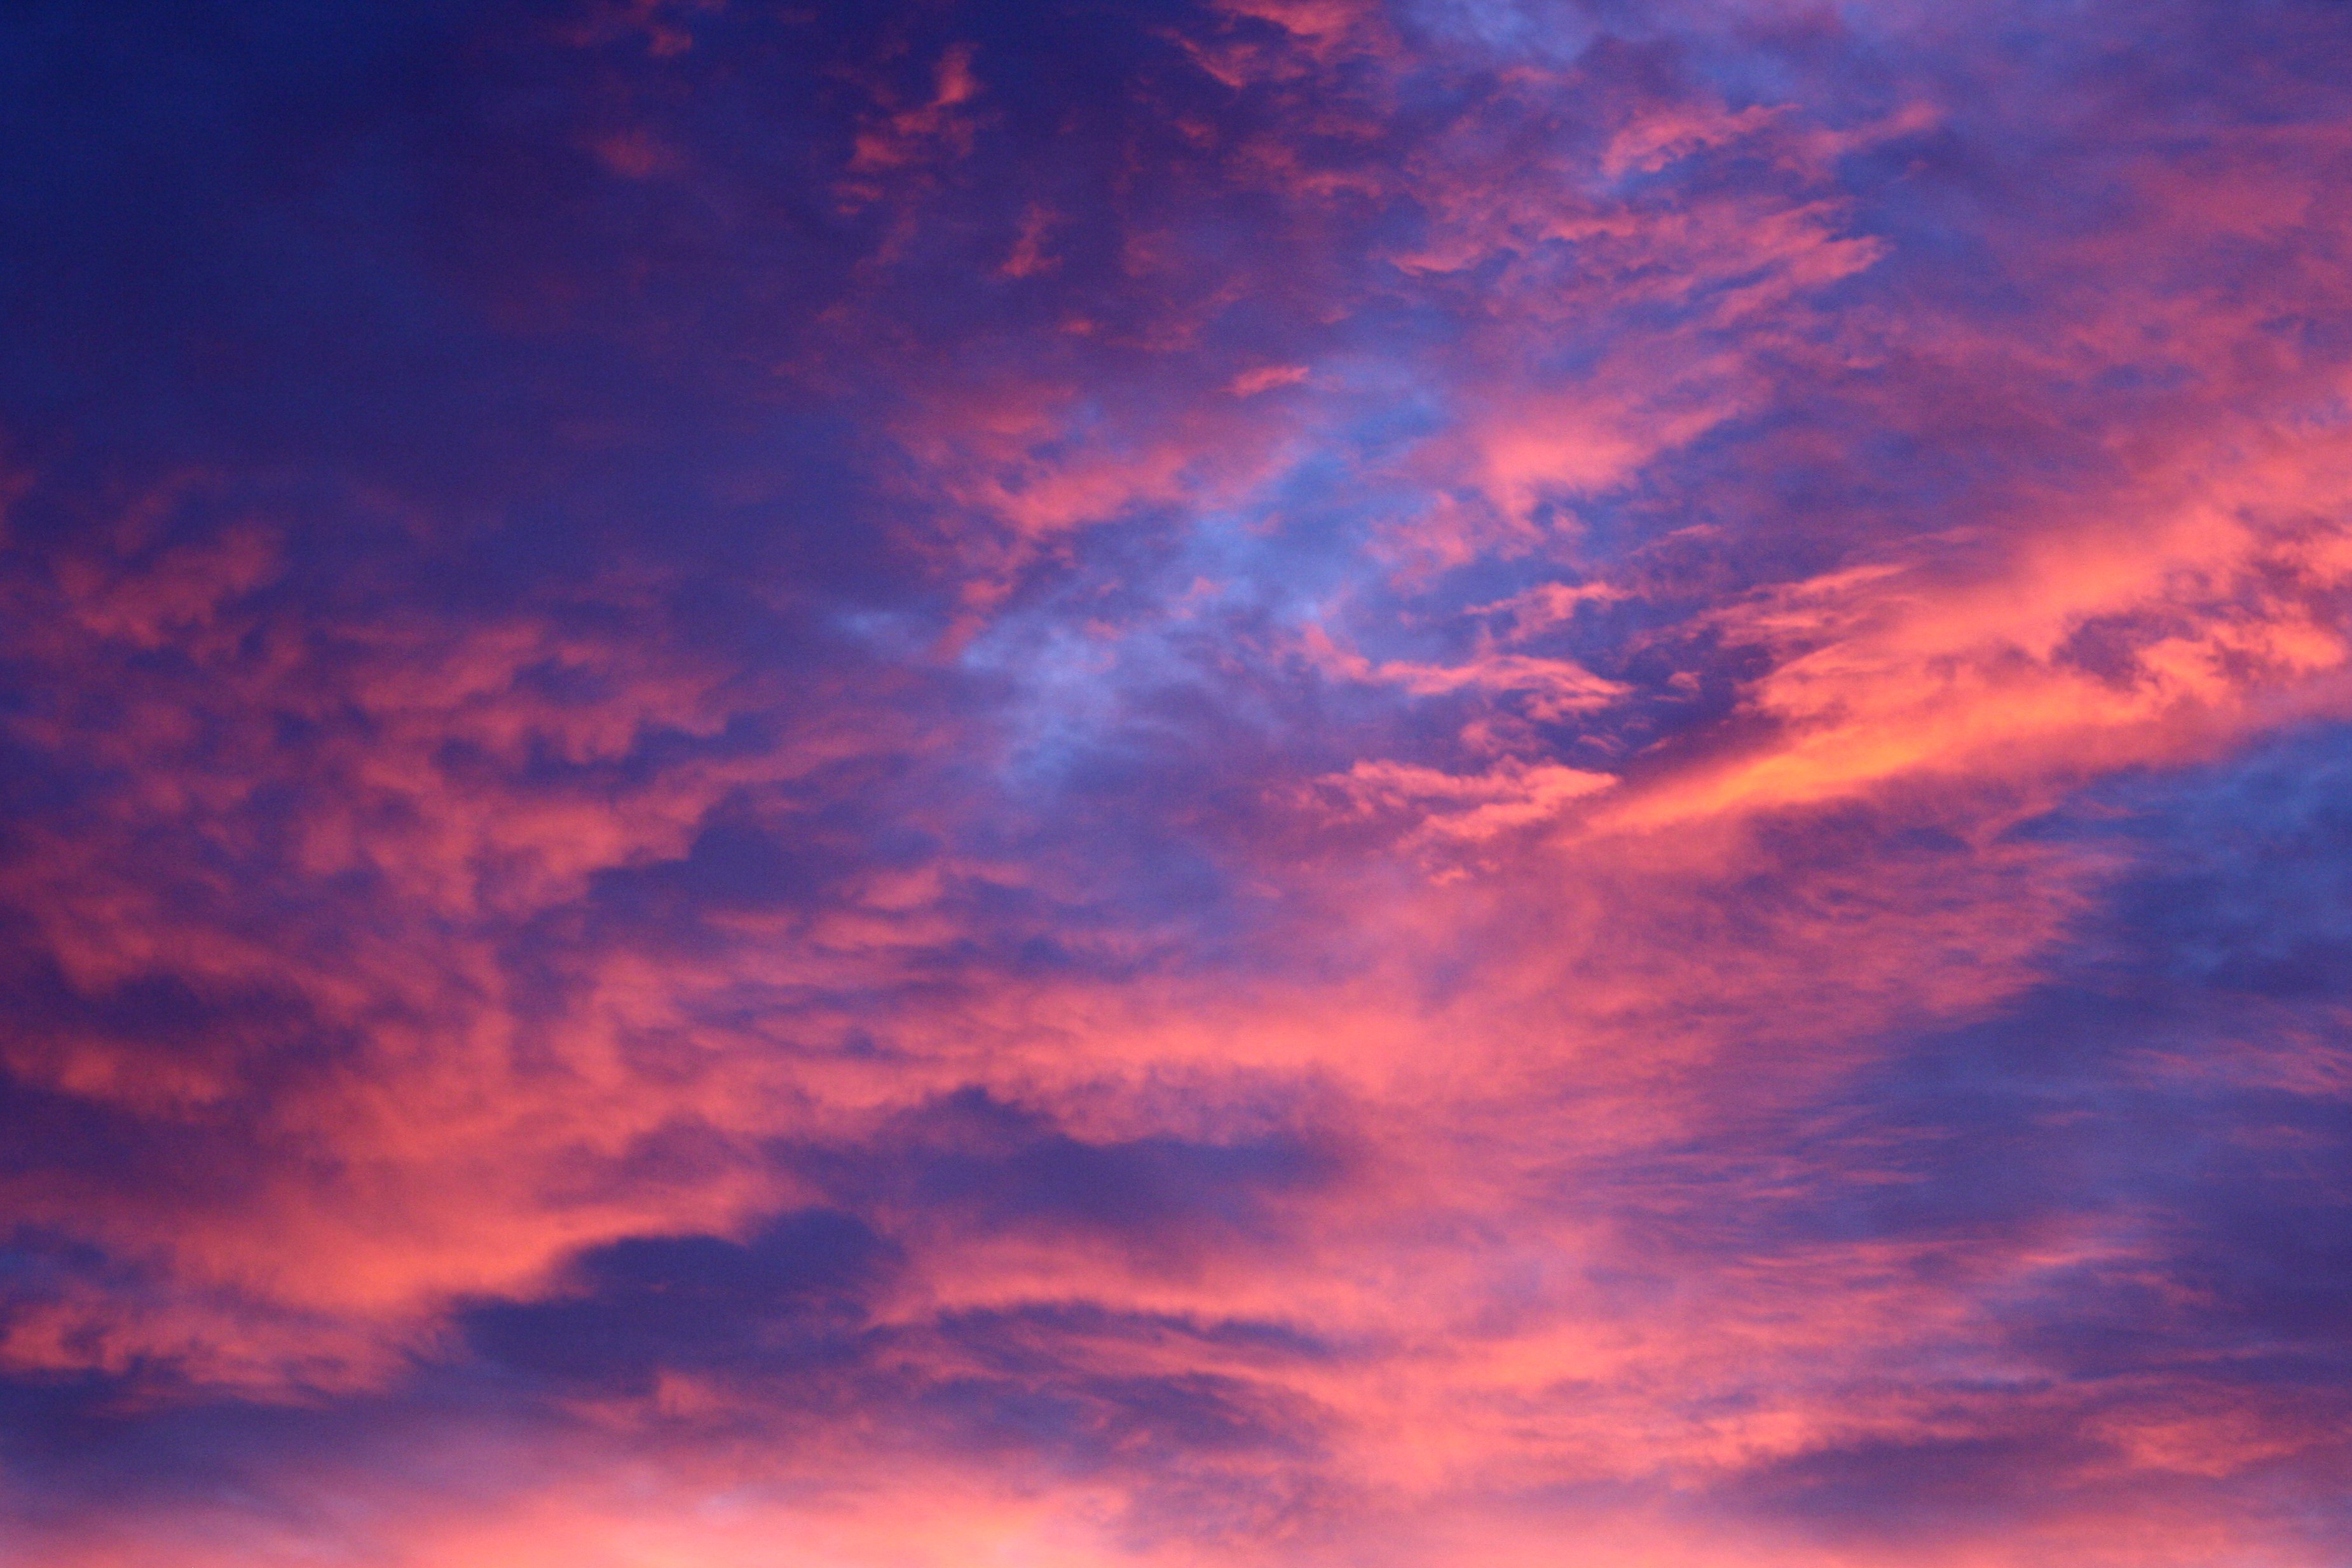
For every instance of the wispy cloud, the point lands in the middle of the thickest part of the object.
(1311, 782)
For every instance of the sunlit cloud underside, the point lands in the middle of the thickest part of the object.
(1181, 783)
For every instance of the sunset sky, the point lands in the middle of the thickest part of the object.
(1176, 784)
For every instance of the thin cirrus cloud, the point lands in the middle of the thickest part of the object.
(1307, 781)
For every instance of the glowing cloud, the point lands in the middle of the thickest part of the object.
(1316, 782)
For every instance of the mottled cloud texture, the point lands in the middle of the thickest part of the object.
(1390, 783)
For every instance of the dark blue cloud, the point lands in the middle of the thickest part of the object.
(971, 1159)
(790, 1299)
(2168, 1101)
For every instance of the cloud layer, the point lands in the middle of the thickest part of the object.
(1210, 782)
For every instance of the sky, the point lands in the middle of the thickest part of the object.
(1176, 784)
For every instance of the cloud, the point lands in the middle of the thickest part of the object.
(1283, 782)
